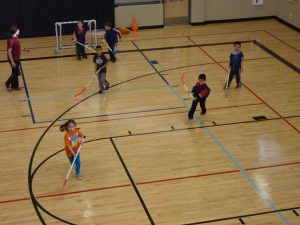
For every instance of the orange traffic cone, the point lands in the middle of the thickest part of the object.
(134, 26)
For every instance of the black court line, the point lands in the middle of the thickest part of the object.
(282, 41)
(145, 57)
(117, 114)
(149, 74)
(129, 51)
(27, 94)
(242, 216)
(35, 203)
(295, 212)
(241, 221)
(275, 55)
(236, 163)
(132, 182)
(124, 136)
(168, 37)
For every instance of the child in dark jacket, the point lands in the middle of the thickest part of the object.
(235, 65)
(79, 37)
(111, 37)
(200, 93)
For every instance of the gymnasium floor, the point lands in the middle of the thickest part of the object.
(144, 162)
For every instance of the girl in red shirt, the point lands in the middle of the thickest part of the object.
(73, 139)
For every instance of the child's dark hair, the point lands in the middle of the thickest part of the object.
(108, 23)
(64, 126)
(12, 30)
(237, 43)
(202, 76)
(98, 47)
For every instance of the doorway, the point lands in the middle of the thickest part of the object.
(176, 12)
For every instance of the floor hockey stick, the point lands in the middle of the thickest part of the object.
(87, 47)
(226, 85)
(82, 90)
(70, 170)
(182, 80)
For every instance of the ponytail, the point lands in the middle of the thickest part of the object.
(64, 127)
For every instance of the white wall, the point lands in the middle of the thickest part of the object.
(147, 15)
(210, 10)
(235, 9)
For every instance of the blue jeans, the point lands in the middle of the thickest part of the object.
(77, 163)
(103, 83)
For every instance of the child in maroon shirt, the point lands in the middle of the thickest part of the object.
(79, 37)
(200, 93)
(13, 55)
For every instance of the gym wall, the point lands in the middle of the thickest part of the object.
(212, 10)
(37, 17)
(147, 15)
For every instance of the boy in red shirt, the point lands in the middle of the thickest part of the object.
(200, 92)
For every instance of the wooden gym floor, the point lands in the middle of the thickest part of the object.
(144, 162)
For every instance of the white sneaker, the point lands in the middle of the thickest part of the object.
(79, 177)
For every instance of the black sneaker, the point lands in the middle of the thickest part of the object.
(100, 92)
(7, 86)
(203, 112)
(107, 86)
(190, 117)
(85, 57)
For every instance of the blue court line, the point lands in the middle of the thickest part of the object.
(27, 94)
(219, 143)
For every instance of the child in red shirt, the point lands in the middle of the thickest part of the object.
(73, 139)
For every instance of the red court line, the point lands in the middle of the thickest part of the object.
(124, 118)
(218, 173)
(151, 182)
(249, 89)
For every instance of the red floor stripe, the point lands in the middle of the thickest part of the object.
(151, 182)
(263, 101)
(124, 118)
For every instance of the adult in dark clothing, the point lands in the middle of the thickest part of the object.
(13, 55)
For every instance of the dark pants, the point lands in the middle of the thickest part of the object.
(80, 51)
(112, 53)
(13, 80)
(194, 106)
(236, 73)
